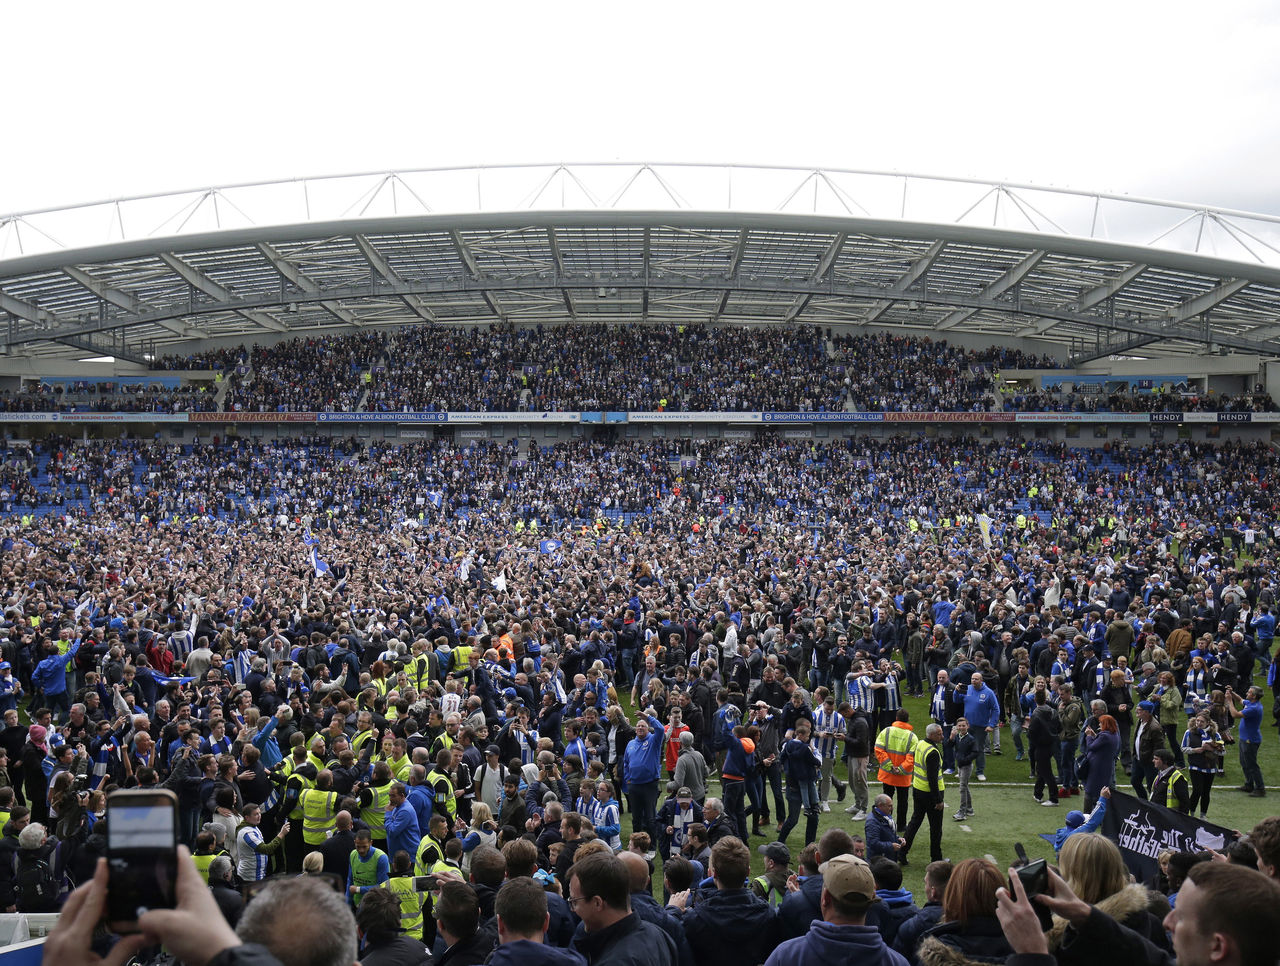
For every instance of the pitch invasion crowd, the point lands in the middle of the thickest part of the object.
(379, 665)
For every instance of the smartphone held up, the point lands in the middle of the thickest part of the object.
(142, 854)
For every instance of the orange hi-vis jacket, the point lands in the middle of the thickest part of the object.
(896, 752)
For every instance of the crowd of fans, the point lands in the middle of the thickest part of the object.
(110, 397)
(225, 358)
(306, 374)
(1149, 402)
(502, 368)
(429, 676)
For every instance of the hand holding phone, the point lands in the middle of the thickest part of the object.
(142, 840)
(1034, 878)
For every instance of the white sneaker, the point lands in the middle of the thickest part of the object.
(959, 816)
(858, 816)
(948, 771)
(826, 806)
(1049, 804)
(982, 778)
(853, 808)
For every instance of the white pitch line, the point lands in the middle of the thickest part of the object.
(965, 828)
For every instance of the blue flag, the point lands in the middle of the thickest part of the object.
(321, 567)
(550, 546)
(437, 499)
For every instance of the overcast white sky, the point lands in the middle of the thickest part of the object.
(1170, 99)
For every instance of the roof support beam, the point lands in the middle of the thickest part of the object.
(824, 267)
(291, 272)
(550, 282)
(383, 267)
(917, 271)
(121, 300)
(1193, 308)
(1177, 316)
(473, 267)
(25, 310)
(203, 283)
(554, 242)
(1094, 296)
(997, 288)
(735, 261)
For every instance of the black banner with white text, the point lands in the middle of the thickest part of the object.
(1143, 830)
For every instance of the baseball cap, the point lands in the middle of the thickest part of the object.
(684, 794)
(849, 879)
(1147, 706)
(776, 851)
(1075, 818)
(493, 750)
(5, 665)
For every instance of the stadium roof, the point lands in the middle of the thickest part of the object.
(1099, 274)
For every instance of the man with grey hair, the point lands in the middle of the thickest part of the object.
(37, 886)
(691, 768)
(927, 794)
(714, 818)
(225, 894)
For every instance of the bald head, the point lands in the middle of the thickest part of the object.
(637, 869)
(342, 821)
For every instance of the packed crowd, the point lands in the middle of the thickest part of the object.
(891, 487)
(306, 374)
(591, 368)
(405, 672)
(224, 358)
(110, 398)
(1148, 402)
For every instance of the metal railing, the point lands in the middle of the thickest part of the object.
(1243, 236)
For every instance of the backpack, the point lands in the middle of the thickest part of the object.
(37, 886)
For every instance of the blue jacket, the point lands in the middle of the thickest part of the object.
(402, 830)
(826, 944)
(981, 706)
(881, 834)
(422, 798)
(800, 909)
(642, 760)
(646, 907)
(735, 759)
(526, 953)
(1264, 626)
(723, 924)
(265, 742)
(1090, 824)
(896, 907)
(51, 673)
(628, 942)
(798, 761)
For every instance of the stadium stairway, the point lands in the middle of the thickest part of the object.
(220, 397)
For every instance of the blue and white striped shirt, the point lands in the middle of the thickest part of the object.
(824, 720)
(892, 694)
(251, 866)
(861, 695)
(938, 704)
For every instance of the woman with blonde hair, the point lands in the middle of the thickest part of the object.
(969, 930)
(1094, 869)
(1169, 698)
(1198, 684)
(483, 831)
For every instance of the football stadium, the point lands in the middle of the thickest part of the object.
(642, 563)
